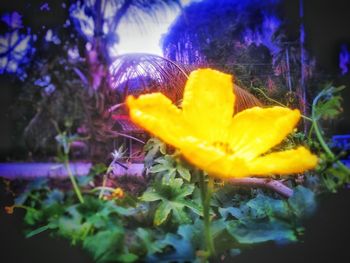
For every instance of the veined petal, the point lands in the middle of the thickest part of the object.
(215, 161)
(156, 114)
(256, 130)
(285, 162)
(208, 103)
(219, 164)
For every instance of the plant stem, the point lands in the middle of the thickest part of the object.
(205, 196)
(104, 181)
(268, 98)
(327, 149)
(280, 104)
(72, 179)
(274, 185)
(320, 138)
(99, 188)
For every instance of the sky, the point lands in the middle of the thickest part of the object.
(134, 38)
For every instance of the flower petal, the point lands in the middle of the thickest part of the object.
(213, 160)
(256, 130)
(208, 103)
(221, 165)
(286, 162)
(156, 114)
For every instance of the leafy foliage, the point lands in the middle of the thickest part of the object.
(15, 46)
(244, 45)
(327, 106)
(166, 223)
(173, 197)
(263, 218)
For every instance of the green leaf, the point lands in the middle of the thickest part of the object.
(71, 225)
(183, 172)
(171, 192)
(152, 148)
(179, 213)
(195, 207)
(33, 186)
(98, 168)
(148, 241)
(150, 195)
(162, 213)
(185, 190)
(159, 168)
(40, 230)
(173, 196)
(126, 258)
(105, 245)
(54, 197)
(329, 104)
(33, 216)
(111, 207)
(177, 185)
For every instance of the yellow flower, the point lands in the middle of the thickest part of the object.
(118, 193)
(211, 137)
(9, 209)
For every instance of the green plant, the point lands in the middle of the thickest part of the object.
(64, 141)
(183, 214)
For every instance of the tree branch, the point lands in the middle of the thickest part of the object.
(274, 185)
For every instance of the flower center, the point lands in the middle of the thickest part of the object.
(223, 146)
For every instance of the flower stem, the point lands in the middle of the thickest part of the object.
(104, 180)
(268, 98)
(99, 188)
(327, 150)
(320, 138)
(72, 179)
(102, 188)
(205, 196)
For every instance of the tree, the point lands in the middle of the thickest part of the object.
(239, 37)
(79, 51)
(246, 39)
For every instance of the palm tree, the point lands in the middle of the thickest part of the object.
(97, 21)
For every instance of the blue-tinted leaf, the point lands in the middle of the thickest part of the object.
(54, 197)
(13, 20)
(250, 232)
(233, 211)
(263, 206)
(302, 202)
(183, 250)
(148, 241)
(15, 49)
